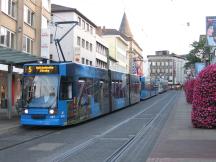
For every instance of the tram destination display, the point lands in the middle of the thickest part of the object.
(41, 69)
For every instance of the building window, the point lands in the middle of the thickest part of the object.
(44, 23)
(45, 4)
(51, 38)
(27, 44)
(83, 25)
(79, 21)
(51, 56)
(87, 61)
(101, 49)
(90, 47)
(7, 38)
(91, 29)
(166, 70)
(8, 7)
(83, 43)
(87, 45)
(91, 63)
(153, 63)
(28, 16)
(162, 70)
(78, 41)
(83, 60)
(87, 26)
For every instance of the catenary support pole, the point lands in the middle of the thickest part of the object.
(9, 96)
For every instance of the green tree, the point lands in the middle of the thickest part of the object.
(199, 52)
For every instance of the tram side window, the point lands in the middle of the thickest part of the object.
(118, 91)
(85, 87)
(66, 88)
(98, 90)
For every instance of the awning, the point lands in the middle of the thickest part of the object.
(13, 57)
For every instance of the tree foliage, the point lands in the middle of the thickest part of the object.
(198, 53)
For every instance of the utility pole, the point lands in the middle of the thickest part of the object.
(108, 59)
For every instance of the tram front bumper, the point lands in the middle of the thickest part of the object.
(42, 122)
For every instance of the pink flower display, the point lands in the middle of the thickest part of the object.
(188, 88)
(204, 99)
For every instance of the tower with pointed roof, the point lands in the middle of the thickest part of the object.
(134, 50)
(124, 27)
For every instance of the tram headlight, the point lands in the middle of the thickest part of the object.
(26, 111)
(52, 111)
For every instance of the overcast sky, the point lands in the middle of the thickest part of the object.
(156, 24)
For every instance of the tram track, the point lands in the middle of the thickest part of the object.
(27, 140)
(73, 151)
(118, 154)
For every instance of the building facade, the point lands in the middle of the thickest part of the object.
(167, 66)
(22, 24)
(125, 53)
(102, 52)
(118, 46)
(82, 44)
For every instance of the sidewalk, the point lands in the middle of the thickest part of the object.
(7, 124)
(180, 142)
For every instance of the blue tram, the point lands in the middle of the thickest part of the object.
(61, 94)
(162, 85)
(149, 88)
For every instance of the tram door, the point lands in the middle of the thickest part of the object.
(65, 97)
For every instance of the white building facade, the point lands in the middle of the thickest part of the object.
(81, 43)
(102, 52)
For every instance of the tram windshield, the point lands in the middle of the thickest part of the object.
(40, 91)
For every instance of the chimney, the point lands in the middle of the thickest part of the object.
(99, 31)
